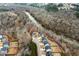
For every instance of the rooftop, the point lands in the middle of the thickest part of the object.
(6, 46)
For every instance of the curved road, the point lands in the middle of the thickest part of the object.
(44, 30)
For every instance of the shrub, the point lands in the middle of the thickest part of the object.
(33, 48)
(60, 5)
(2, 10)
(77, 14)
(51, 7)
